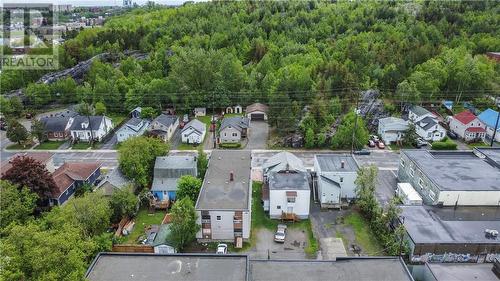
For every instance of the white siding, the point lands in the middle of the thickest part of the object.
(279, 198)
(470, 198)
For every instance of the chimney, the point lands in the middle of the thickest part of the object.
(231, 176)
(342, 164)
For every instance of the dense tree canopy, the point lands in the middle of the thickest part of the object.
(244, 51)
(17, 204)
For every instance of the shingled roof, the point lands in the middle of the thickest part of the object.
(70, 172)
(237, 122)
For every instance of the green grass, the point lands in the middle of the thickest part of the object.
(117, 118)
(50, 145)
(187, 146)
(142, 220)
(81, 145)
(364, 236)
(341, 235)
(477, 144)
(19, 146)
(231, 145)
(232, 114)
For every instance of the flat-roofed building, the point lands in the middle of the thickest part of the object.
(451, 178)
(335, 174)
(224, 202)
(187, 267)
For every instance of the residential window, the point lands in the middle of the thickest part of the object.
(429, 135)
(290, 199)
(412, 172)
(421, 183)
(235, 134)
(219, 218)
(402, 163)
(225, 134)
(278, 207)
(432, 195)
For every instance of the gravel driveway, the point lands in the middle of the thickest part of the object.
(293, 248)
(257, 137)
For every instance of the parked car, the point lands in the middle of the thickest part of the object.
(362, 152)
(452, 135)
(221, 249)
(280, 234)
(381, 145)
(374, 138)
(421, 142)
(371, 143)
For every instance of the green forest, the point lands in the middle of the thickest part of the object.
(287, 54)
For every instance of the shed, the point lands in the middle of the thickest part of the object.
(257, 111)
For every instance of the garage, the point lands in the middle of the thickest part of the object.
(257, 116)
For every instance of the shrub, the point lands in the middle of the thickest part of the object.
(230, 145)
(444, 145)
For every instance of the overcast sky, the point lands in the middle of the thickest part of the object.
(97, 2)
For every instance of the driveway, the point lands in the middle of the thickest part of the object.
(325, 229)
(175, 140)
(257, 137)
(265, 247)
(110, 143)
(386, 186)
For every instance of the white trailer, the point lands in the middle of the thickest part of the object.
(408, 194)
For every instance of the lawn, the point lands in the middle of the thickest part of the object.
(19, 146)
(117, 118)
(364, 236)
(49, 145)
(261, 219)
(478, 144)
(84, 145)
(142, 220)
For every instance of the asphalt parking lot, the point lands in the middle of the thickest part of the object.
(293, 248)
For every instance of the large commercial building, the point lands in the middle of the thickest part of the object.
(450, 178)
(187, 267)
(224, 202)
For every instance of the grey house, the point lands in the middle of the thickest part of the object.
(335, 174)
(164, 126)
(167, 172)
(392, 129)
(233, 129)
(113, 180)
(452, 178)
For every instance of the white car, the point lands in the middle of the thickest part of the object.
(280, 234)
(221, 249)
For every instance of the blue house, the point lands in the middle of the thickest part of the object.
(168, 170)
(71, 176)
(489, 117)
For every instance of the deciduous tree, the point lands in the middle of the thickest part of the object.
(17, 204)
(188, 186)
(123, 203)
(16, 132)
(183, 227)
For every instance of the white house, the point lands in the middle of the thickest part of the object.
(224, 202)
(164, 126)
(84, 128)
(467, 126)
(194, 132)
(426, 124)
(429, 129)
(237, 109)
(392, 129)
(336, 174)
(132, 128)
(289, 194)
(199, 111)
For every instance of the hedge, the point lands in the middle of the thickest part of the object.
(444, 145)
(230, 145)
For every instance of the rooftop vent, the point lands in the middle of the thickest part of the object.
(342, 164)
(231, 176)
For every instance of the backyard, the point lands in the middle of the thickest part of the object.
(142, 220)
(363, 236)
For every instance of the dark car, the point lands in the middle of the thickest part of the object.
(362, 152)
(452, 135)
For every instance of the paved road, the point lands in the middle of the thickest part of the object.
(257, 138)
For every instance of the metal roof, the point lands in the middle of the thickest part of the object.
(418, 110)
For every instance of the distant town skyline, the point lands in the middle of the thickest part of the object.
(99, 2)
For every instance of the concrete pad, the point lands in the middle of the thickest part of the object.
(332, 248)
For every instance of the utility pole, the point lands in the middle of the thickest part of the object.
(355, 123)
(212, 123)
(495, 130)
